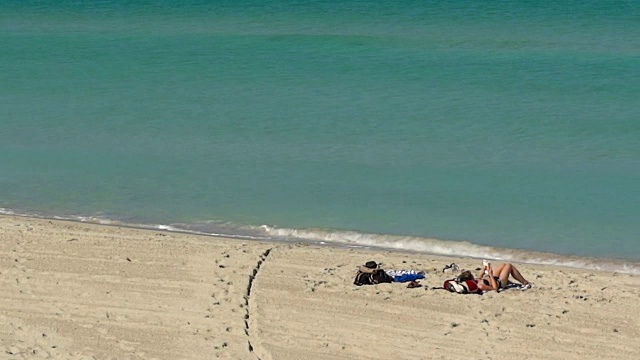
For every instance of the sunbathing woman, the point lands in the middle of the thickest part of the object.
(499, 279)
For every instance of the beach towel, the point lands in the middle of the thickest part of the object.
(405, 275)
(516, 286)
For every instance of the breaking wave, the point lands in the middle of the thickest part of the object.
(361, 240)
(451, 248)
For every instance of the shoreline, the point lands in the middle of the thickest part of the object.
(447, 248)
(76, 291)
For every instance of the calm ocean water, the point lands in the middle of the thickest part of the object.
(504, 128)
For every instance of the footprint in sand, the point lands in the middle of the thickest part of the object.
(330, 271)
(312, 285)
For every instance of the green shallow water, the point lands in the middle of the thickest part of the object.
(509, 124)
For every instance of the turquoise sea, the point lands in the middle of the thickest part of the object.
(505, 129)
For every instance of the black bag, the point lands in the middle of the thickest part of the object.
(378, 276)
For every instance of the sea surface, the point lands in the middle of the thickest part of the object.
(504, 129)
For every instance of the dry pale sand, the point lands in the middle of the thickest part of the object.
(80, 291)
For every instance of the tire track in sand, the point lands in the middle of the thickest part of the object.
(252, 277)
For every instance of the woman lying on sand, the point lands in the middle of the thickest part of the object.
(498, 280)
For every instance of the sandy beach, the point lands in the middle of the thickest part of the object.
(73, 290)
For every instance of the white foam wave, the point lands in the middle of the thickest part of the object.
(451, 248)
(354, 239)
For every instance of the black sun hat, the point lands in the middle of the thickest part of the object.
(371, 265)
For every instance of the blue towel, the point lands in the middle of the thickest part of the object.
(408, 277)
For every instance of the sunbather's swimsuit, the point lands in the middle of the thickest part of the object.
(487, 282)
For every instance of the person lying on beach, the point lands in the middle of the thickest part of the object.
(499, 278)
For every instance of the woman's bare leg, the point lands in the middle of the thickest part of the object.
(498, 270)
(516, 275)
(504, 270)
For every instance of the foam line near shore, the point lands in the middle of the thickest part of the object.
(356, 239)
